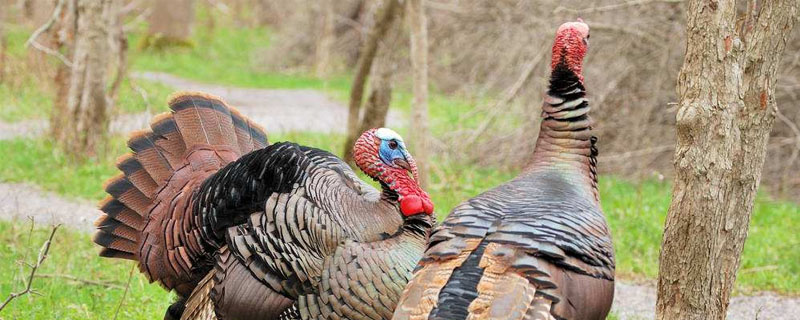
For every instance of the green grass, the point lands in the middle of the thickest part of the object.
(22, 96)
(636, 214)
(227, 55)
(72, 254)
(38, 162)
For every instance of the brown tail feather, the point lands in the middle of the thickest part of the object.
(170, 142)
(148, 215)
(137, 175)
(145, 151)
(199, 305)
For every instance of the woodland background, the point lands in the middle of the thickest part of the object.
(488, 64)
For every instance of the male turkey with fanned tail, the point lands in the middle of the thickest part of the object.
(240, 229)
(537, 247)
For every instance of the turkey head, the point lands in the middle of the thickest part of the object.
(381, 154)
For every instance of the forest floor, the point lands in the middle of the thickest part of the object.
(298, 110)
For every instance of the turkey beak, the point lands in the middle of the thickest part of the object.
(407, 162)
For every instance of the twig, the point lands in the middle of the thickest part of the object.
(84, 281)
(42, 255)
(124, 294)
(142, 93)
(136, 20)
(512, 92)
(759, 269)
(614, 6)
(631, 31)
(635, 153)
(46, 26)
(46, 50)
(796, 151)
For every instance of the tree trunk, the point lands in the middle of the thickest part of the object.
(2, 43)
(325, 39)
(420, 137)
(119, 50)
(63, 39)
(727, 109)
(380, 98)
(81, 126)
(170, 23)
(382, 22)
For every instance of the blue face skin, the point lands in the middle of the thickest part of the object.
(389, 154)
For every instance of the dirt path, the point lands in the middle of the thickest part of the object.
(276, 110)
(283, 110)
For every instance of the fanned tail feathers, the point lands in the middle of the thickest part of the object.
(197, 121)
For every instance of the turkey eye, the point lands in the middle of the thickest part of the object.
(392, 144)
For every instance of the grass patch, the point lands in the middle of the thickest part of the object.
(37, 161)
(71, 254)
(236, 54)
(22, 94)
(635, 212)
(636, 215)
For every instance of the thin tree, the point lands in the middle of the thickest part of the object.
(381, 81)
(727, 109)
(420, 136)
(2, 44)
(80, 117)
(383, 20)
(322, 59)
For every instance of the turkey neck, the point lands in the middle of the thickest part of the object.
(566, 145)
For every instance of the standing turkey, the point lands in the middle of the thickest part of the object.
(536, 247)
(262, 231)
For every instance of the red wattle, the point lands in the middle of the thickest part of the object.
(428, 206)
(411, 205)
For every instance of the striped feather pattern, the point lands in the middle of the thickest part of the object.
(537, 247)
(305, 227)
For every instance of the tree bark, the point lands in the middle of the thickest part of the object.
(325, 39)
(420, 137)
(383, 20)
(119, 49)
(170, 22)
(81, 125)
(381, 84)
(63, 40)
(2, 43)
(727, 109)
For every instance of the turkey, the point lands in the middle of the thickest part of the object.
(538, 246)
(255, 231)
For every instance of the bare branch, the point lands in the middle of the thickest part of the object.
(138, 19)
(46, 26)
(509, 95)
(630, 31)
(83, 281)
(125, 294)
(614, 6)
(48, 51)
(42, 256)
(636, 153)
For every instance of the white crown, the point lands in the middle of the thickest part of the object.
(388, 134)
